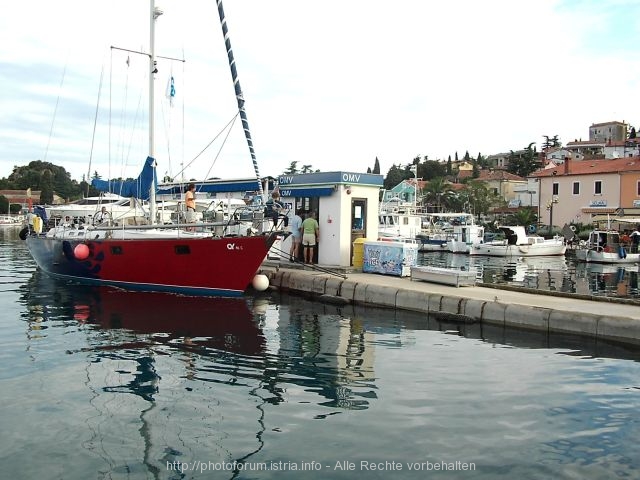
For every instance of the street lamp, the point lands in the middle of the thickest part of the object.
(414, 170)
(554, 199)
(550, 203)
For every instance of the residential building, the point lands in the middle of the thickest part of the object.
(580, 191)
(608, 132)
(21, 197)
(500, 181)
(527, 193)
(556, 154)
(501, 160)
(586, 149)
(405, 191)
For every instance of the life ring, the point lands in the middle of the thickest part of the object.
(572, 228)
(532, 229)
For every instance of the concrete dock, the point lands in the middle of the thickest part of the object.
(603, 318)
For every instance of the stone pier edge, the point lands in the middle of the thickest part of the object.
(345, 291)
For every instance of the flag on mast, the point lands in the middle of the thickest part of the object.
(171, 90)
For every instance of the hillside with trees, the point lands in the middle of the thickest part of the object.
(50, 179)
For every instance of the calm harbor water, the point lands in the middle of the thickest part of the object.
(99, 383)
(556, 273)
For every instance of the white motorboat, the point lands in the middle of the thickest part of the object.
(518, 243)
(398, 220)
(465, 233)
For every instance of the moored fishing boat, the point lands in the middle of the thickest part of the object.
(605, 246)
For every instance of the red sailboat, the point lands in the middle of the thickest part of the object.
(154, 257)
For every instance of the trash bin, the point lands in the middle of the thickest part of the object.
(358, 252)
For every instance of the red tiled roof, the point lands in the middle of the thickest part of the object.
(412, 181)
(586, 142)
(621, 143)
(586, 167)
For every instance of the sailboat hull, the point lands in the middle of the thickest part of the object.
(192, 266)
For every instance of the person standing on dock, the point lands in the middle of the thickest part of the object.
(295, 226)
(310, 232)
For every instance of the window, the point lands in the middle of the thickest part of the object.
(597, 187)
(638, 189)
(556, 188)
(182, 249)
(576, 188)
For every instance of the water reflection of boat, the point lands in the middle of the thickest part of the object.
(223, 323)
(510, 269)
(604, 268)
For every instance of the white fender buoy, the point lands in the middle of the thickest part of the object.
(260, 282)
(81, 251)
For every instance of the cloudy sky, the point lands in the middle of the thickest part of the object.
(331, 84)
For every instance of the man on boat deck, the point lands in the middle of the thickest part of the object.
(274, 209)
(635, 240)
(190, 202)
(102, 217)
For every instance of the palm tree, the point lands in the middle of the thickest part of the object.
(437, 191)
(525, 216)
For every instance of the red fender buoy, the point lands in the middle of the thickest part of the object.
(81, 251)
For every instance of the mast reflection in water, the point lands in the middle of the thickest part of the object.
(134, 339)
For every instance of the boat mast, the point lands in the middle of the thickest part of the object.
(239, 97)
(153, 15)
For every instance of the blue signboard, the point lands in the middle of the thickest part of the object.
(343, 178)
(307, 192)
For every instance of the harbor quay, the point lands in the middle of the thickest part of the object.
(599, 318)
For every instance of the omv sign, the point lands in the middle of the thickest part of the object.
(327, 178)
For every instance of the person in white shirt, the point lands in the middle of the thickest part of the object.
(102, 217)
(295, 225)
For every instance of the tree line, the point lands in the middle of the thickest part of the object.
(49, 179)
